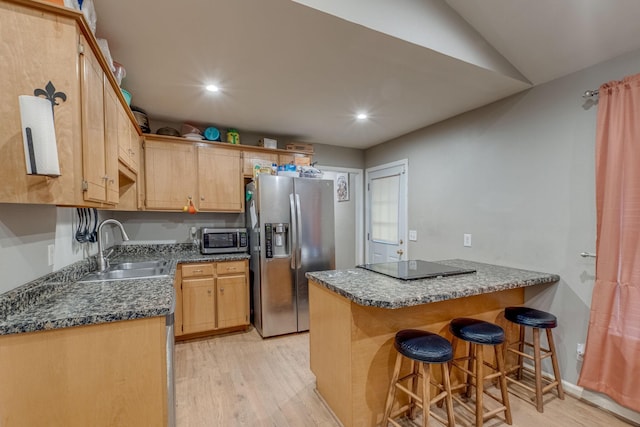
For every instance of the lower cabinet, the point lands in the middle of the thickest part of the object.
(111, 374)
(211, 297)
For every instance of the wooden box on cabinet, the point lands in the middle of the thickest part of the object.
(211, 298)
(253, 158)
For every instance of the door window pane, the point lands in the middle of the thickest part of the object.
(385, 193)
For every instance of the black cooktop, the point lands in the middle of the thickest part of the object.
(415, 269)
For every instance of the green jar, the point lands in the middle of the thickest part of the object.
(233, 137)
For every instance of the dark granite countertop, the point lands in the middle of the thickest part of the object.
(367, 288)
(58, 300)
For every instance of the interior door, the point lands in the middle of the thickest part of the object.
(387, 212)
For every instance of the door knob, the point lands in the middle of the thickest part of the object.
(399, 251)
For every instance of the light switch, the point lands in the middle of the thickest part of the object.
(467, 240)
(413, 235)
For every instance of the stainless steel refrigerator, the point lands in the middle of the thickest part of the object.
(291, 232)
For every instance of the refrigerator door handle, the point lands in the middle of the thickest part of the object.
(298, 229)
(294, 231)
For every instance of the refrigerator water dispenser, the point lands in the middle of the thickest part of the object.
(277, 240)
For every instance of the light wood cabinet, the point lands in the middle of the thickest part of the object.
(111, 374)
(213, 298)
(128, 142)
(112, 112)
(198, 304)
(232, 297)
(37, 49)
(220, 185)
(170, 174)
(178, 171)
(71, 69)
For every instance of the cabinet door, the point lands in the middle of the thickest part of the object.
(112, 108)
(232, 301)
(170, 174)
(220, 182)
(93, 131)
(198, 305)
(177, 315)
(128, 140)
(37, 48)
(253, 158)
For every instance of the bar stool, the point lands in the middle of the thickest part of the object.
(426, 348)
(536, 319)
(478, 334)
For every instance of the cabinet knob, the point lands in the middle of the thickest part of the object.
(221, 290)
(209, 291)
(202, 198)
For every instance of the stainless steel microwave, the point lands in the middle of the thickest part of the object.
(223, 240)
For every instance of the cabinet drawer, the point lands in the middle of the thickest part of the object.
(197, 270)
(230, 267)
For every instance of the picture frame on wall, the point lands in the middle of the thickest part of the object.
(342, 187)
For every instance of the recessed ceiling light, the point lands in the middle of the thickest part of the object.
(213, 88)
(361, 116)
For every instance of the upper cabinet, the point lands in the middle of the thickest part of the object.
(99, 130)
(170, 174)
(177, 172)
(220, 184)
(51, 48)
(29, 63)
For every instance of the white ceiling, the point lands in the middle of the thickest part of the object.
(288, 68)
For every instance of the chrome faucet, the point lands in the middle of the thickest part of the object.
(103, 263)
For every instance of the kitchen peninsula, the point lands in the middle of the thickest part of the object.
(355, 313)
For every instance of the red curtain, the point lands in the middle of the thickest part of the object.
(612, 357)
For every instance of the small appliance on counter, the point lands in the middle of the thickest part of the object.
(415, 269)
(223, 240)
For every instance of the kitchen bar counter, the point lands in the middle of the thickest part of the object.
(57, 300)
(367, 288)
(355, 314)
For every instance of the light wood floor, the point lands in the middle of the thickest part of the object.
(243, 380)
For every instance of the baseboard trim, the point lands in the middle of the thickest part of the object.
(597, 399)
(603, 402)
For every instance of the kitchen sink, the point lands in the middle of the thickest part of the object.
(130, 270)
(139, 265)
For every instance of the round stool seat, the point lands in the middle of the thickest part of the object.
(423, 346)
(477, 331)
(530, 317)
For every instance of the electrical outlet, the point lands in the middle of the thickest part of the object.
(413, 235)
(580, 351)
(51, 252)
(467, 240)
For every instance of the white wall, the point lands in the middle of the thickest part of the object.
(346, 220)
(519, 176)
(26, 231)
